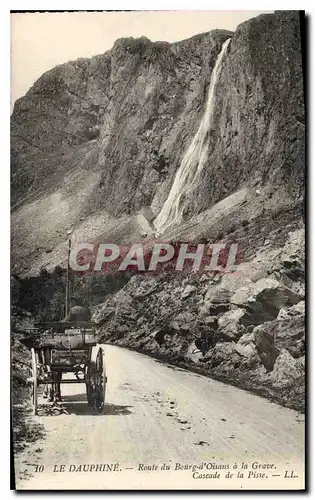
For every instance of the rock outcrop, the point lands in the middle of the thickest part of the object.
(195, 321)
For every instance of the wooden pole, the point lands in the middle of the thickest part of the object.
(67, 279)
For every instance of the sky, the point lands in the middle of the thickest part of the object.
(40, 41)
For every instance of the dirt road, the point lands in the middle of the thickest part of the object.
(157, 414)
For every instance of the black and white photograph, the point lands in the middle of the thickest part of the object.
(158, 250)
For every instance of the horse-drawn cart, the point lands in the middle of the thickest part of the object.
(62, 347)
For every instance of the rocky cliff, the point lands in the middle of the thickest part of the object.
(199, 139)
(96, 140)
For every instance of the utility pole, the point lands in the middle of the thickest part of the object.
(67, 278)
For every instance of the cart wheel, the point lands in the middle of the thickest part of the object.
(34, 382)
(100, 381)
(95, 379)
(88, 385)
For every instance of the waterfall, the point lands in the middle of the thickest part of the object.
(194, 158)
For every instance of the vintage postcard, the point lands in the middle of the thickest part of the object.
(157, 250)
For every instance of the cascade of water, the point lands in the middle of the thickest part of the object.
(194, 158)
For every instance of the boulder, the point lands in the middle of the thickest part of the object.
(289, 334)
(296, 286)
(265, 347)
(263, 300)
(228, 356)
(286, 370)
(217, 300)
(246, 350)
(273, 336)
(230, 325)
(287, 312)
(221, 352)
(247, 338)
(246, 347)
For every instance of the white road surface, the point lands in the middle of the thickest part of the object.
(164, 428)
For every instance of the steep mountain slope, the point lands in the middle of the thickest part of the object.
(97, 140)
